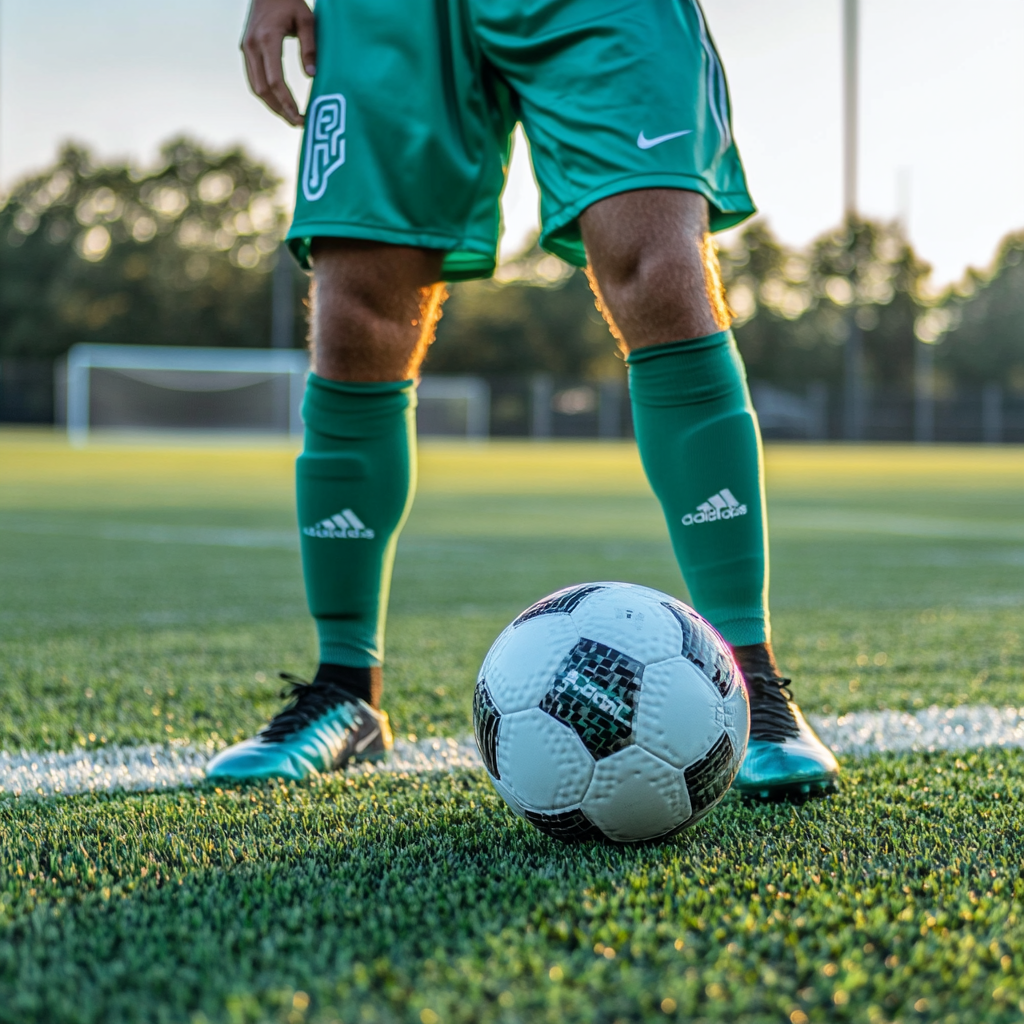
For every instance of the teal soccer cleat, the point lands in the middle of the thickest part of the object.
(322, 728)
(785, 760)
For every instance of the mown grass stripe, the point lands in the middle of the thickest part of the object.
(784, 518)
(839, 520)
(160, 766)
(203, 536)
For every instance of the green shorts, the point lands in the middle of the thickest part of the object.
(408, 127)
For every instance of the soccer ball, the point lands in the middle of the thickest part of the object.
(609, 710)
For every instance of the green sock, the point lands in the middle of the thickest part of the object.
(354, 486)
(701, 449)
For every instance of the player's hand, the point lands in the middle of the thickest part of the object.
(270, 22)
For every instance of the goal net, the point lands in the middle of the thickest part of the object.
(453, 406)
(154, 387)
(169, 388)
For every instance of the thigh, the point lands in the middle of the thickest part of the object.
(374, 308)
(378, 277)
(654, 266)
(621, 231)
(616, 97)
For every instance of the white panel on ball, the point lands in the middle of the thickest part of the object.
(679, 713)
(635, 795)
(543, 762)
(528, 661)
(737, 716)
(495, 652)
(506, 794)
(631, 622)
(657, 596)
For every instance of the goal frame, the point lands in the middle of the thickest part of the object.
(474, 391)
(85, 357)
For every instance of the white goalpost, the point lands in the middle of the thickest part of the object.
(157, 387)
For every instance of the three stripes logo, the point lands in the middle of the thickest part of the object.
(722, 505)
(345, 525)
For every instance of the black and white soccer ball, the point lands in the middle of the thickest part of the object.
(610, 710)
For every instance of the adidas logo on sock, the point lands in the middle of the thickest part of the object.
(719, 506)
(346, 524)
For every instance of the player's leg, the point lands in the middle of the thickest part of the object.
(374, 311)
(646, 124)
(373, 314)
(653, 267)
(403, 149)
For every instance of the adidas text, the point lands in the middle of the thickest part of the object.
(345, 525)
(722, 505)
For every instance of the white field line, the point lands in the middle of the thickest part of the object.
(961, 728)
(178, 763)
(161, 766)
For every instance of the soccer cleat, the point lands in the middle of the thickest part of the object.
(321, 729)
(784, 759)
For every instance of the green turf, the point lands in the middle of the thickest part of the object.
(129, 612)
(419, 899)
(124, 619)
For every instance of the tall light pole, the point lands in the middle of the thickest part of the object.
(851, 41)
(1, 107)
(853, 353)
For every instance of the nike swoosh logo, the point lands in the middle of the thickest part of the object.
(645, 143)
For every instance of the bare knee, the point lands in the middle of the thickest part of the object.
(653, 266)
(374, 309)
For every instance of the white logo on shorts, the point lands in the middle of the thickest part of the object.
(325, 147)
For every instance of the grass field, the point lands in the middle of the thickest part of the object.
(152, 592)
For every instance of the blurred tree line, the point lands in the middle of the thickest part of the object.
(982, 320)
(176, 255)
(183, 254)
(794, 309)
(536, 316)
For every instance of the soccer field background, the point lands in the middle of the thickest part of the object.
(897, 577)
(152, 591)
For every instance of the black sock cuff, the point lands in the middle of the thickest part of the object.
(364, 683)
(756, 660)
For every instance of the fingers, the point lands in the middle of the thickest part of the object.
(270, 22)
(263, 84)
(254, 69)
(305, 29)
(277, 95)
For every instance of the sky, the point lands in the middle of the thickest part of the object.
(942, 106)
